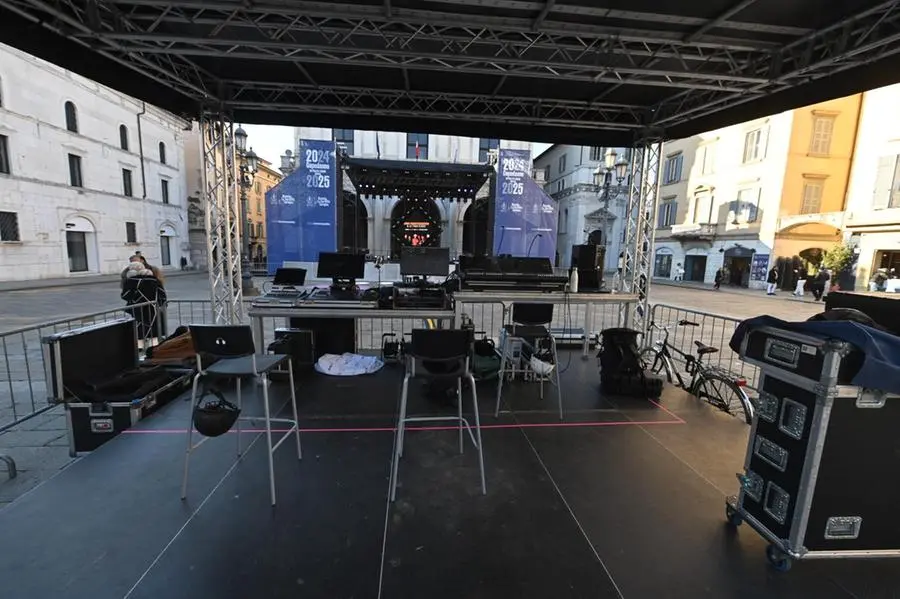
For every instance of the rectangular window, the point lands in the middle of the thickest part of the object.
(485, 145)
(823, 130)
(596, 153)
(9, 226)
(130, 232)
(344, 138)
(668, 209)
(663, 266)
(562, 164)
(126, 182)
(672, 169)
(747, 205)
(753, 146)
(164, 188)
(417, 146)
(259, 206)
(75, 179)
(4, 155)
(560, 185)
(812, 196)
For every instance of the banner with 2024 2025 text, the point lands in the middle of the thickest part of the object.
(301, 211)
(524, 216)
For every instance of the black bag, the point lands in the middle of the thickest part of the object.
(619, 351)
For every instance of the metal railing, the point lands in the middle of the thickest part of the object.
(24, 393)
(23, 387)
(714, 329)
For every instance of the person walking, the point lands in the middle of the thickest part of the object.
(772, 281)
(719, 275)
(802, 273)
(679, 272)
(818, 285)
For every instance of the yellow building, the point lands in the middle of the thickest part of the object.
(265, 179)
(816, 178)
(745, 198)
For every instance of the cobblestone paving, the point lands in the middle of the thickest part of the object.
(40, 446)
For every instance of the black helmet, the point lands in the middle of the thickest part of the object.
(216, 416)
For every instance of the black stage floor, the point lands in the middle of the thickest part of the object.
(623, 499)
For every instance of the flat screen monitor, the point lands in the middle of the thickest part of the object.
(290, 277)
(333, 265)
(424, 262)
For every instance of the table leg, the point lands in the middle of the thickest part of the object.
(588, 325)
(259, 334)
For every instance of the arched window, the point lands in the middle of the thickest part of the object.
(123, 137)
(71, 117)
(162, 152)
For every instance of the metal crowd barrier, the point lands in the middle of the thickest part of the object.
(23, 390)
(714, 330)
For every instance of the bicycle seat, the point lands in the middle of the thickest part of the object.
(703, 349)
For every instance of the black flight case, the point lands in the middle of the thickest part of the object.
(95, 372)
(818, 478)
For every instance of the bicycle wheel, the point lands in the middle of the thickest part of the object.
(652, 361)
(724, 393)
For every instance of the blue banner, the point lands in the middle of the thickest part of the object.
(524, 216)
(301, 211)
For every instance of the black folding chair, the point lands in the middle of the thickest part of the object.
(530, 325)
(439, 354)
(232, 348)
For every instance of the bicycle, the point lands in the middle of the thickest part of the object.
(719, 387)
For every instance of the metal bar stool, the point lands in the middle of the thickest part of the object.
(439, 353)
(232, 348)
(530, 324)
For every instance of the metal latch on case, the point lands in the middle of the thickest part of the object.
(871, 398)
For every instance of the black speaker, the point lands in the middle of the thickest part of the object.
(588, 257)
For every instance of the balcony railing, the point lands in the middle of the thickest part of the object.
(694, 231)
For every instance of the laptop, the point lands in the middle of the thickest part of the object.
(288, 282)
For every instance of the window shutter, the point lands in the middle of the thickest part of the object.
(884, 178)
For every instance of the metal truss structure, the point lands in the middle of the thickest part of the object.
(585, 67)
(639, 231)
(223, 222)
(556, 70)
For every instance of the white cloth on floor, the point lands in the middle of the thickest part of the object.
(348, 364)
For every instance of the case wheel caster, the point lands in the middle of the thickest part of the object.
(733, 517)
(778, 559)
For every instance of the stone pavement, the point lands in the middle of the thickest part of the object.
(40, 445)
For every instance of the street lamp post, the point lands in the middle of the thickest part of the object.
(288, 163)
(249, 162)
(603, 179)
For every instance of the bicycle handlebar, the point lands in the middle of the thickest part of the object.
(680, 323)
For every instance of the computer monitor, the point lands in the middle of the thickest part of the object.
(289, 277)
(341, 267)
(424, 262)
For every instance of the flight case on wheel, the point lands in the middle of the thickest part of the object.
(94, 371)
(818, 478)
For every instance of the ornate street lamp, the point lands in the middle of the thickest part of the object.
(288, 163)
(603, 179)
(248, 163)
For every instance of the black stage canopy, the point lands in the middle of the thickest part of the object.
(416, 179)
(596, 72)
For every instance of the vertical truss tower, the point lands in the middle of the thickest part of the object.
(223, 223)
(642, 198)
